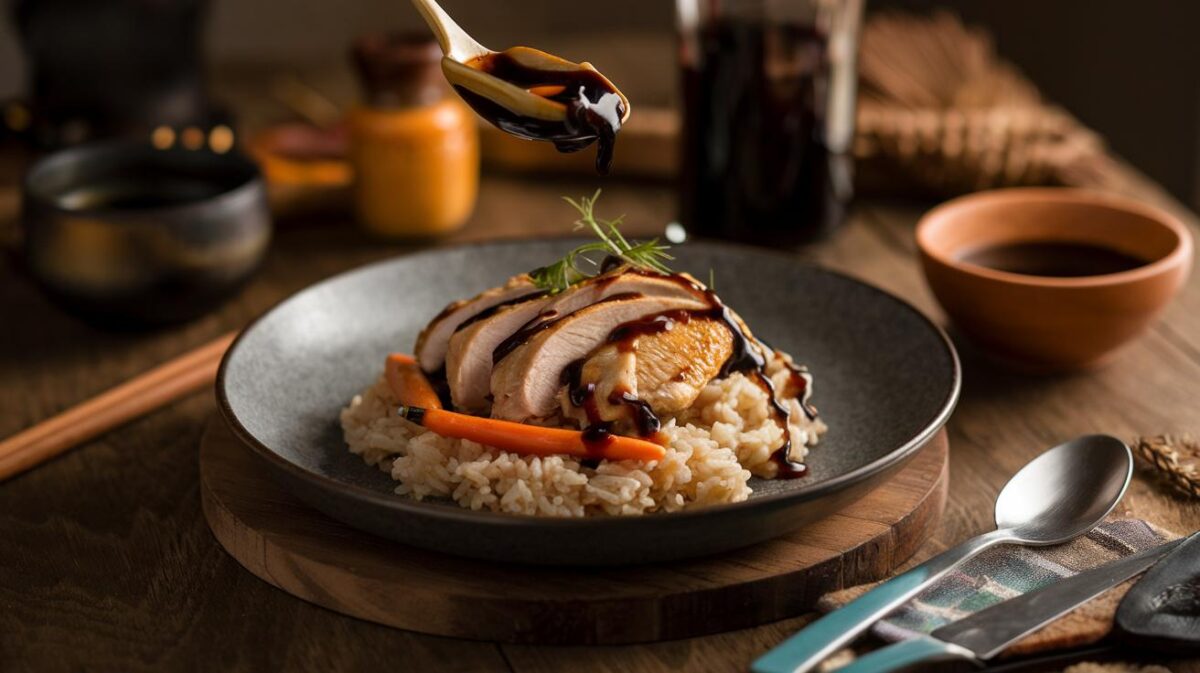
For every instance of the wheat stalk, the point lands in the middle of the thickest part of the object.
(1174, 458)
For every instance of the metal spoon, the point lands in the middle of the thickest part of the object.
(1062, 493)
(458, 48)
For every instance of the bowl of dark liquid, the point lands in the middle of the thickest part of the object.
(127, 235)
(1053, 279)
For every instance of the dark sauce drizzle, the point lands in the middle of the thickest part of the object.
(799, 379)
(626, 335)
(543, 321)
(489, 312)
(644, 418)
(594, 109)
(441, 386)
(611, 262)
(598, 433)
(745, 358)
(749, 360)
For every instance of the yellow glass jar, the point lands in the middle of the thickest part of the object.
(414, 145)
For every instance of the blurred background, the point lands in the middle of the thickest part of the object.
(1126, 70)
(230, 124)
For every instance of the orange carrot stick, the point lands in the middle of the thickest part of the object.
(408, 382)
(530, 439)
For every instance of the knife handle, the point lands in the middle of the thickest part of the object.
(908, 653)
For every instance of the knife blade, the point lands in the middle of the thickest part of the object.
(986, 633)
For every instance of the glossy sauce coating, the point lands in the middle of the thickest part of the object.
(1053, 259)
(594, 108)
(745, 358)
(598, 433)
(487, 313)
(544, 321)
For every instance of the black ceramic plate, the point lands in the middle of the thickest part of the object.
(886, 381)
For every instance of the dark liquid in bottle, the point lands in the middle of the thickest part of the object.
(1061, 260)
(756, 164)
(594, 109)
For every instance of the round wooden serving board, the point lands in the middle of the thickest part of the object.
(328, 563)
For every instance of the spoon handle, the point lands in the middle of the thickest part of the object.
(803, 651)
(454, 41)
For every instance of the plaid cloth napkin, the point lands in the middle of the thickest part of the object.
(1006, 571)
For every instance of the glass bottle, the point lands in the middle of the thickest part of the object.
(768, 117)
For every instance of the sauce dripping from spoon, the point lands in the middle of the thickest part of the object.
(594, 107)
(529, 93)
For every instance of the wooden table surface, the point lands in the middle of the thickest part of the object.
(106, 562)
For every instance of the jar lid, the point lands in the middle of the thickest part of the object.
(399, 69)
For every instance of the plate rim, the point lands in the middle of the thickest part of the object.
(462, 515)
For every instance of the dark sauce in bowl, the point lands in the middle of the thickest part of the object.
(145, 193)
(1053, 259)
(594, 107)
(127, 235)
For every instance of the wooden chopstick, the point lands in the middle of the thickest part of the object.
(116, 406)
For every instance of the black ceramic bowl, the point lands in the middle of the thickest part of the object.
(126, 234)
(886, 379)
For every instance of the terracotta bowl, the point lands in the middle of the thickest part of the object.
(1047, 323)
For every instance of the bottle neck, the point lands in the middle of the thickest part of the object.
(399, 71)
(405, 95)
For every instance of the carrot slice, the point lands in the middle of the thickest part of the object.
(408, 382)
(530, 439)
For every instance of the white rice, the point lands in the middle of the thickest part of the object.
(714, 447)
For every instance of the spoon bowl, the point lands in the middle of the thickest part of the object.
(460, 49)
(1059, 495)
(518, 100)
(1065, 491)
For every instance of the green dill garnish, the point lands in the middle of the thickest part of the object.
(564, 273)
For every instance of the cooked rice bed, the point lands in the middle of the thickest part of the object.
(714, 446)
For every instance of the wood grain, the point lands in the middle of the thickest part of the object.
(325, 562)
(107, 564)
(120, 404)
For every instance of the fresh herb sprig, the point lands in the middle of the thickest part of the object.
(564, 273)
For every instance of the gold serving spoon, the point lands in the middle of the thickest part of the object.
(530, 93)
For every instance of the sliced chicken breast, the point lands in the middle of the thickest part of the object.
(526, 382)
(673, 366)
(665, 369)
(469, 360)
(434, 341)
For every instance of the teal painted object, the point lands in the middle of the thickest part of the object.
(805, 650)
(920, 650)
(1057, 496)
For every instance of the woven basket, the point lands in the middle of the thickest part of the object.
(939, 111)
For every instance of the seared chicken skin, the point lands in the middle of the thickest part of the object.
(618, 349)
(662, 362)
(470, 359)
(526, 382)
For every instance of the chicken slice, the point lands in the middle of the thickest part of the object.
(525, 383)
(469, 361)
(664, 368)
(434, 341)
